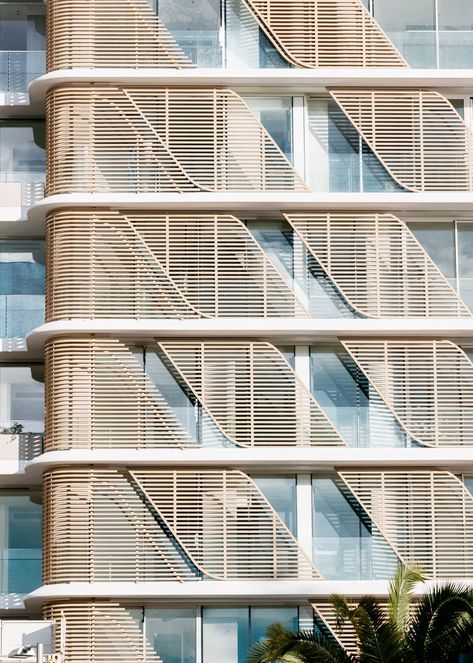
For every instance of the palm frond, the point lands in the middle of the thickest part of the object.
(442, 625)
(401, 590)
(378, 641)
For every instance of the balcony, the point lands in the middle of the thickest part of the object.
(22, 269)
(22, 48)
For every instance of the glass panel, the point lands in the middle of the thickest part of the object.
(465, 261)
(228, 633)
(22, 286)
(22, 151)
(246, 44)
(339, 160)
(225, 635)
(351, 403)
(22, 44)
(261, 618)
(22, 399)
(275, 114)
(455, 18)
(411, 27)
(20, 542)
(171, 632)
(346, 545)
(438, 239)
(183, 403)
(468, 481)
(459, 106)
(196, 28)
(281, 494)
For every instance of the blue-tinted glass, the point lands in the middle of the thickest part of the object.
(171, 632)
(22, 150)
(22, 45)
(22, 286)
(351, 403)
(465, 261)
(20, 542)
(225, 635)
(346, 545)
(281, 494)
(275, 114)
(196, 28)
(261, 618)
(183, 403)
(438, 239)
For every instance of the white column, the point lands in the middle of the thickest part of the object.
(306, 618)
(304, 513)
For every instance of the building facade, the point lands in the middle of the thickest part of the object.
(236, 256)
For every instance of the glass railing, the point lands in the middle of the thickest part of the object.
(19, 314)
(20, 570)
(19, 68)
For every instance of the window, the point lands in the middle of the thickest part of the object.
(429, 33)
(22, 286)
(281, 494)
(275, 114)
(22, 44)
(20, 542)
(172, 633)
(449, 244)
(339, 159)
(22, 398)
(228, 633)
(350, 402)
(22, 151)
(196, 28)
(346, 545)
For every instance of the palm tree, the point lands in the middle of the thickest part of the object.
(435, 629)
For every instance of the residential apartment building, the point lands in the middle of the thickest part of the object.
(237, 265)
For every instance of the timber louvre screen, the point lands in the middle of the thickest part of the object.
(377, 264)
(427, 384)
(109, 33)
(165, 524)
(130, 264)
(156, 140)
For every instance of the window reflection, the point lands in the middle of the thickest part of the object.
(281, 494)
(351, 403)
(275, 114)
(339, 159)
(171, 632)
(22, 286)
(449, 244)
(228, 633)
(22, 151)
(346, 544)
(20, 542)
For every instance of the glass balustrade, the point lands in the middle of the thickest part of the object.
(22, 45)
(20, 542)
(346, 544)
(22, 286)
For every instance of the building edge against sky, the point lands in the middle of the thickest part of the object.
(236, 325)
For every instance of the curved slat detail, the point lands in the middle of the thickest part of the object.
(125, 264)
(378, 265)
(162, 524)
(252, 393)
(97, 528)
(416, 134)
(99, 396)
(99, 632)
(427, 384)
(426, 516)
(109, 33)
(325, 33)
(145, 140)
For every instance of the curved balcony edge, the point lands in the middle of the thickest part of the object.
(260, 202)
(306, 80)
(213, 591)
(295, 330)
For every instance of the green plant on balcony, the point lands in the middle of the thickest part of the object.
(436, 628)
(14, 429)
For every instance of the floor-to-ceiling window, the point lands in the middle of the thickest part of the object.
(21, 399)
